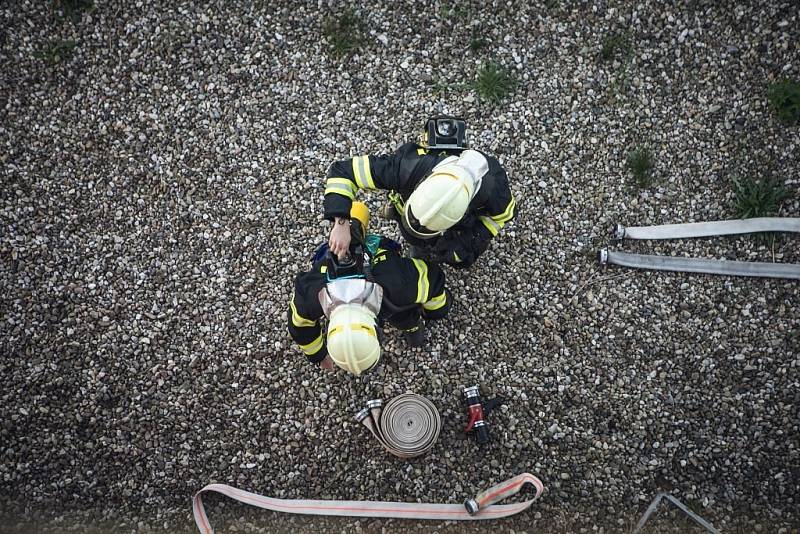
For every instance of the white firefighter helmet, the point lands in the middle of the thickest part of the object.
(353, 338)
(442, 199)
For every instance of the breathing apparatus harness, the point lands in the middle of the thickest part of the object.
(358, 265)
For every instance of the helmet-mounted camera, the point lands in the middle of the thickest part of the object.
(445, 133)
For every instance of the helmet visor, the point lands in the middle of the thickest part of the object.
(414, 227)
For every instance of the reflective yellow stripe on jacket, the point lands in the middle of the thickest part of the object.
(490, 225)
(362, 172)
(423, 286)
(312, 347)
(496, 222)
(298, 320)
(436, 302)
(342, 186)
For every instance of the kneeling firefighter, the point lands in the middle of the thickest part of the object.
(357, 291)
(450, 201)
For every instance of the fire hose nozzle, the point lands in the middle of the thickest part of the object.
(619, 232)
(602, 256)
(472, 506)
(477, 411)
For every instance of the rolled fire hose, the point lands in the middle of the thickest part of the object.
(480, 507)
(711, 228)
(407, 426)
(700, 265)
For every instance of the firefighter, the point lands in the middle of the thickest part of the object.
(357, 291)
(450, 203)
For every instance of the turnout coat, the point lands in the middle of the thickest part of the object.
(405, 281)
(491, 208)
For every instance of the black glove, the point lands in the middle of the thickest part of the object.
(453, 249)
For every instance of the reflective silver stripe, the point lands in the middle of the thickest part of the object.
(507, 214)
(361, 172)
(422, 282)
(436, 302)
(342, 186)
(340, 190)
(490, 225)
(704, 229)
(701, 265)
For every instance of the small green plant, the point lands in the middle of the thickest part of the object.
(476, 43)
(73, 9)
(344, 33)
(456, 12)
(56, 51)
(758, 197)
(640, 163)
(493, 82)
(441, 87)
(784, 97)
(614, 43)
(618, 45)
(461, 12)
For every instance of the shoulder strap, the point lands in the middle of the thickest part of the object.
(481, 198)
(414, 166)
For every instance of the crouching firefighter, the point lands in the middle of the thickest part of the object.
(356, 292)
(450, 201)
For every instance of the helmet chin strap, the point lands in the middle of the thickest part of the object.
(414, 232)
(410, 229)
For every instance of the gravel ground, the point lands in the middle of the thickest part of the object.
(162, 185)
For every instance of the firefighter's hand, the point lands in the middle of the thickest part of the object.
(452, 253)
(339, 240)
(327, 363)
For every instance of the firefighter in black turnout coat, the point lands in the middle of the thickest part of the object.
(372, 282)
(450, 201)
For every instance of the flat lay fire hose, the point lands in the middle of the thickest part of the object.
(700, 265)
(480, 507)
(711, 228)
(703, 265)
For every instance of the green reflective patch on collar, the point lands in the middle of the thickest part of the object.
(371, 243)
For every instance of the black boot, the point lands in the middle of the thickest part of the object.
(415, 337)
